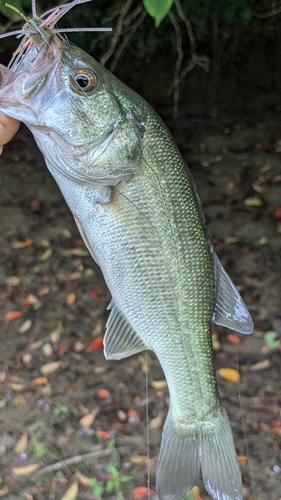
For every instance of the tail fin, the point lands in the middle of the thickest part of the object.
(185, 447)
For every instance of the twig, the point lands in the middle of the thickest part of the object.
(176, 81)
(129, 35)
(188, 28)
(270, 13)
(96, 453)
(117, 32)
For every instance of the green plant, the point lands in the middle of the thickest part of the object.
(39, 449)
(61, 410)
(115, 483)
(97, 488)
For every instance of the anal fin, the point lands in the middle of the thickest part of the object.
(230, 310)
(120, 339)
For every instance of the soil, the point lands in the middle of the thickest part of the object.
(60, 399)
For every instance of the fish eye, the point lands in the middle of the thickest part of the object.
(84, 80)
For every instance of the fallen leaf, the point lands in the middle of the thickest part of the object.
(71, 493)
(242, 459)
(141, 492)
(46, 255)
(103, 393)
(71, 299)
(103, 434)
(253, 202)
(132, 413)
(22, 444)
(122, 415)
(13, 315)
(262, 365)
(49, 368)
(278, 213)
(93, 293)
(276, 424)
(78, 252)
(39, 381)
(139, 459)
(62, 349)
(95, 344)
(229, 374)
(17, 244)
(156, 422)
(15, 384)
(34, 301)
(231, 239)
(159, 385)
(27, 496)
(47, 350)
(84, 480)
(55, 335)
(26, 470)
(233, 339)
(26, 325)
(88, 419)
(4, 491)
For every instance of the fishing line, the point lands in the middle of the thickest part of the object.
(244, 425)
(147, 427)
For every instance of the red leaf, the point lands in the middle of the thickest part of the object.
(79, 242)
(233, 339)
(95, 344)
(103, 393)
(141, 492)
(104, 435)
(93, 293)
(13, 315)
(278, 213)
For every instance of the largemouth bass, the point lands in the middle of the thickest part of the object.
(137, 209)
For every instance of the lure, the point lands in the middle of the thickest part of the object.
(39, 30)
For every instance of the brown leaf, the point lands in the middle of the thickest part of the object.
(4, 491)
(71, 493)
(26, 325)
(139, 459)
(156, 422)
(22, 443)
(84, 480)
(26, 470)
(49, 368)
(71, 299)
(88, 419)
(46, 255)
(229, 374)
(261, 365)
(159, 385)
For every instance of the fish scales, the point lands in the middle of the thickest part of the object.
(137, 209)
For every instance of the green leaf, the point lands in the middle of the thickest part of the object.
(158, 9)
(110, 486)
(126, 479)
(271, 341)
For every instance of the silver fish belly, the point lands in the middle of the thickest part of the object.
(138, 211)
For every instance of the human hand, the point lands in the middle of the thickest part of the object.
(8, 128)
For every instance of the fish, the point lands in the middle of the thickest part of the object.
(137, 208)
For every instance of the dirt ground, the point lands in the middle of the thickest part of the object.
(61, 402)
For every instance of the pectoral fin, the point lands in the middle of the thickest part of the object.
(120, 339)
(230, 310)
